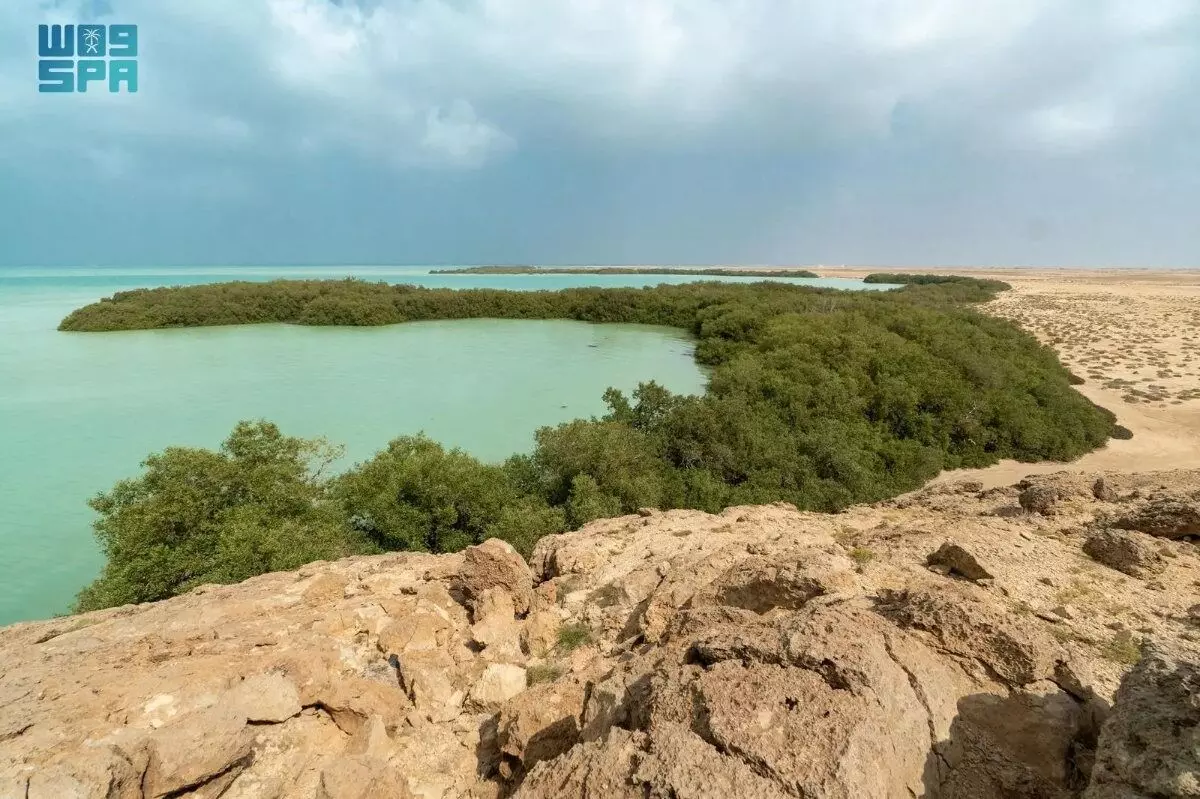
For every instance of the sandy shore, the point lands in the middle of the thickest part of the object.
(1133, 335)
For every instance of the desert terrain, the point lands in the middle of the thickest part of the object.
(1132, 335)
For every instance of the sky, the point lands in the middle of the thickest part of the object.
(881, 132)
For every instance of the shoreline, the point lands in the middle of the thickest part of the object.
(1132, 334)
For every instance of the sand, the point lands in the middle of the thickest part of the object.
(1132, 335)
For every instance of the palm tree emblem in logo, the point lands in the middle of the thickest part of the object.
(91, 40)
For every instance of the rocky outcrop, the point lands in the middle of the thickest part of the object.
(760, 652)
(1125, 552)
(1165, 517)
(1150, 745)
(1039, 499)
(950, 558)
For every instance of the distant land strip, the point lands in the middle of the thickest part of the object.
(621, 270)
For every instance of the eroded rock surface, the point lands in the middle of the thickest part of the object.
(760, 652)
(1150, 745)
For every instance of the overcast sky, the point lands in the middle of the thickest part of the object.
(897, 132)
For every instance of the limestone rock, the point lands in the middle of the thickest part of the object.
(495, 564)
(1164, 517)
(1039, 499)
(542, 723)
(539, 634)
(967, 625)
(1125, 552)
(267, 698)
(1150, 745)
(500, 682)
(195, 749)
(958, 561)
(1102, 491)
(732, 654)
(362, 777)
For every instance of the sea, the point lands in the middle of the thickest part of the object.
(80, 411)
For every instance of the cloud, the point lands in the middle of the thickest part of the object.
(648, 109)
(446, 82)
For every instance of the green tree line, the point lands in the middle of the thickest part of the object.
(816, 397)
(622, 270)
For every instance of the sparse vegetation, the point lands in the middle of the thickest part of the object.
(573, 636)
(862, 556)
(542, 673)
(1121, 648)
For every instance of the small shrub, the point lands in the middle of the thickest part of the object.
(543, 672)
(1122, 648)
(862, 556)
(1121, 433)
(573, 636)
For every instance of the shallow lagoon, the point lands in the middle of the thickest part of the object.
(79, 411)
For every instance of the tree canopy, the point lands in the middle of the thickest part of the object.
(816, 397)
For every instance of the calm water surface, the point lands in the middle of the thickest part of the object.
(79, 411)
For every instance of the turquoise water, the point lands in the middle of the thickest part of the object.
(79, 411)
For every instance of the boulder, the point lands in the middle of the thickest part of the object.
(495, 564)
(541, 723)
(499, 683)
(1102, 491)
(958, 561)
(1126, 552)
(969, 626)
(1164, 517)
(362, 777)
(267, 698)
(195, 749)
(1039, 499)
(1150, 745)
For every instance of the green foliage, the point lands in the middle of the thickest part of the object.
(417, 496)
(622, 270)
(817, 397)
(901, 278)
(540, 673)
(197, 516)
(573, 636)
(1122, 648)
(862, 555)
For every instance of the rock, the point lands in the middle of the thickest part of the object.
(1150, 745)
(1064, 612)
(267, 698)
(496, 628)
(104, 773)
(1165, 517)
(431, 682)
(500, 682)
(539, 634)
(195, 749)
(958, 561)
(418, 631)
(680, 654)
(972, 627)
(495, 564)
(1125, 552)
(646, 513)
(597, 769)
(362, 777)
(541, 723)
(1039, 499)
(1102, 491)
